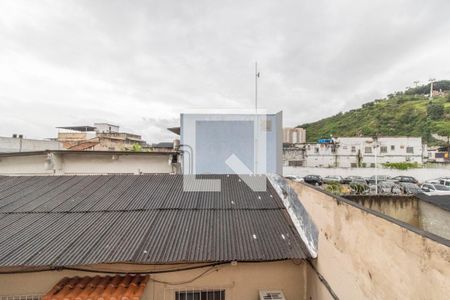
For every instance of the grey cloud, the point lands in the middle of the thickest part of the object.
(141, 63)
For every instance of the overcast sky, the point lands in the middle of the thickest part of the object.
(139, 64)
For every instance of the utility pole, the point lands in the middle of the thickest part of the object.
(431, 87)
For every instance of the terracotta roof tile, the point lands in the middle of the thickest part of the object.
(130, 287)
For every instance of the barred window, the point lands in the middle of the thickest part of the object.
(200, 295)
(21, 297)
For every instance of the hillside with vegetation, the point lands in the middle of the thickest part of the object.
(407, 113)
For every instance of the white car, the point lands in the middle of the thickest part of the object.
(432, 189)
(295, 178)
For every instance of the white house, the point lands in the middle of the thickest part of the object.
(352, 152)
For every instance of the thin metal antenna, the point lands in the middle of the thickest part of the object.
(256, 119)
(256, 86)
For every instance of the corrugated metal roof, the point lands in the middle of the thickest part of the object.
(79, 220)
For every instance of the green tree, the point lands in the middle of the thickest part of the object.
(435, 111)
(136, 147)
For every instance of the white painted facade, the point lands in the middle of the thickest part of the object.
(16, 144)
(87, 163)
(352, 152)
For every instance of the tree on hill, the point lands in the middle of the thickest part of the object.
(435, 111)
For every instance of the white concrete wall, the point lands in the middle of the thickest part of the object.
(9, 144)
(420, 174)
(85, 163)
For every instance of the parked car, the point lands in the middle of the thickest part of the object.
(377, 178)
(313, 179)
(295, 178)
(432, 189)
(333, 178)
(387, 188)
(405, 179)
(445, 181)
(349, 179)
(410, 188)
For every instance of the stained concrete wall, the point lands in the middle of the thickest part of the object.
(240, 282)
(409, 209)
(402, 208)
(364, 255)
(434, 219)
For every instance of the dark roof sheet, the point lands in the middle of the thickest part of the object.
(79, 220)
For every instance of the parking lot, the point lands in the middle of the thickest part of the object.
(376, 184)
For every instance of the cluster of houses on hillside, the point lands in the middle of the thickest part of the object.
(360, 152)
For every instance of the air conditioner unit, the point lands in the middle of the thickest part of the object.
(271, 295)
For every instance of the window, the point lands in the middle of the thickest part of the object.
(392, 147)
(22, 297)
(409, 149)
(295, 163)
(383, 149)
(353, 165)
(372, 165)
(368, 150)
(200, 295)
(316, 150)
(353, 149)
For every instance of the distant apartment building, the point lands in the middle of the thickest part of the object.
(294, 135)
(17, 143)
(100, 137)
(353, 152)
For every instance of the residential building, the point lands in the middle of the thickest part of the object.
(295, 135)
(353, 152)
(210, 141)
(438, 154)
(66, 162)
(101, 136)
(17, 143)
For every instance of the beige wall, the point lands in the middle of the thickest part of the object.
(85, 163)
(364, 256)
(241, 282)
